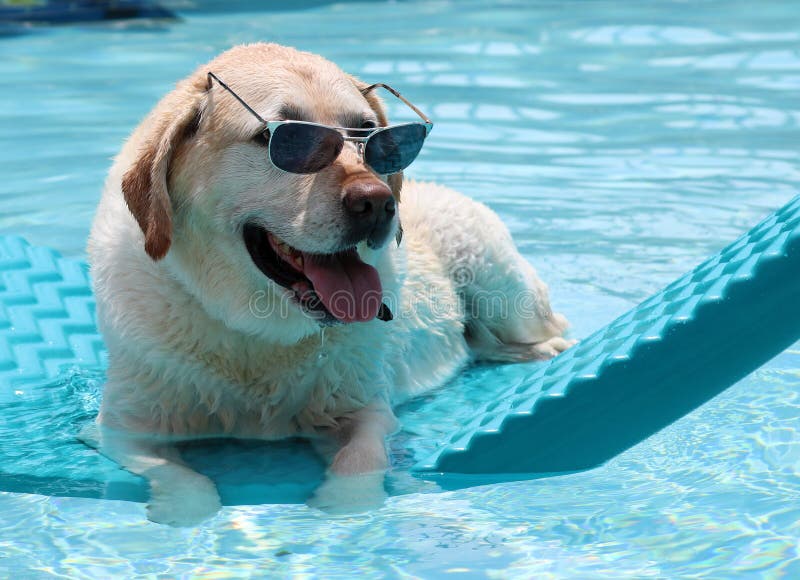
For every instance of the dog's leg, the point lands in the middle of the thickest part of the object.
(358, 461)
(506, 308)
(179, 496)
(508, 312)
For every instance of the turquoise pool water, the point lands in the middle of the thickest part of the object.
(621, 143)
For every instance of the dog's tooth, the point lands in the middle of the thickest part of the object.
(299, 261)
(279, 243)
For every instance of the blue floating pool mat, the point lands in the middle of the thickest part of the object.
(617, 387)
(47, 318)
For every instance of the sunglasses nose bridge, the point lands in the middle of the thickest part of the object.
(357, 145)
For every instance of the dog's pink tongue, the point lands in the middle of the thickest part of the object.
(350, 289)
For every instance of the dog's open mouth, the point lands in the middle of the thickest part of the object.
(330, 287)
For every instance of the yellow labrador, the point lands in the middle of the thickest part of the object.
(252, 280)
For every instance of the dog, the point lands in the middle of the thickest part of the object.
(263, 279)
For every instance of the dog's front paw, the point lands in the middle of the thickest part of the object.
(349, 494)
(553, 347)
(183, 503)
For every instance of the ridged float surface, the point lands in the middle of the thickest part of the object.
(656, 363)
(47, 315)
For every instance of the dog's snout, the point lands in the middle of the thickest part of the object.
(370, 207)
(371, 201)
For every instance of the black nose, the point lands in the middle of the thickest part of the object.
(370, 207)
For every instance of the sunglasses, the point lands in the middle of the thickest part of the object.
(304, 147)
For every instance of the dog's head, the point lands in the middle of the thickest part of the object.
(266, 251)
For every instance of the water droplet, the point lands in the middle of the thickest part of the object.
(322, 356)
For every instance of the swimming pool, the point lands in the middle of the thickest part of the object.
(621, 146)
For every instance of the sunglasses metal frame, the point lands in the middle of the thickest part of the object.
(361, 142)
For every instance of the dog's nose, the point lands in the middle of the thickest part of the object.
(370, 206)
(370, 201)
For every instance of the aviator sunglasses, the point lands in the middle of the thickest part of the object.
(304, 147)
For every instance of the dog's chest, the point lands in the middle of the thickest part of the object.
(294, 389)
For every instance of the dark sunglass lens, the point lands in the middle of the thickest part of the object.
(391, 150)
(304, 148)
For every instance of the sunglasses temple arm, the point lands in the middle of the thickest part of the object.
(399, 96)
(237, 97)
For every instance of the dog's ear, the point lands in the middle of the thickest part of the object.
(144, 185)
(396, 179)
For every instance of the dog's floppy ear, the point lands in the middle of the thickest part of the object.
(396, 179)
(144, 185)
